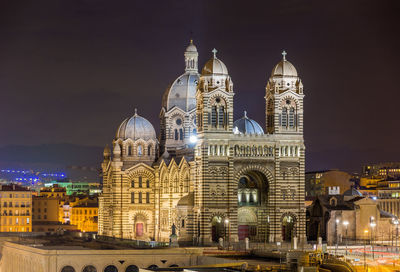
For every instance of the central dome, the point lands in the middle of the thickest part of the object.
(136, 127)
(247, 126)
(214, 66)
(182, 92)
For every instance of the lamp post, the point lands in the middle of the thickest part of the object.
(396, 223)
(373, 225)
(227, 225)
(365, 242)
(337, 235)
(346, 223)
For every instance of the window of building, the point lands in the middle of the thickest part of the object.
(183, 223)
(147, 183)
(176, 134)
(27, 220)
(133, 183)
(45, 210)
(284, 117)
(68, 269)
(129, 150)
(140, 182)
(180, 134)
(45, 216)
(291, 118)
(147, 197)
(149, 150)
(140, 150)
(89, 268)
(140, 197)
(221, 116)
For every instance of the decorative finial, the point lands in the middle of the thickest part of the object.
(191, 41)
(135, 111)
(214, 52)
(284, 54)
(245, 114)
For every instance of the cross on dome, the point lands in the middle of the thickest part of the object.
(284, 54)
(214, 52)
(135, 111)
(245, 114)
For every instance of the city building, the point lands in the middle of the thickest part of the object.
(15, 208)
(382, 170)
(84, 214)
(76, 187)
(208, 177)
(54, 191)
(327, 182)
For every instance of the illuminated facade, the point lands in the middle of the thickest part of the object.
(15, 209)
(208, 175)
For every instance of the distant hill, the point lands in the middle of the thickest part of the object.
(50, 156)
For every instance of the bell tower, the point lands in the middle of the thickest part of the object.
(215, 207)
(284, 100)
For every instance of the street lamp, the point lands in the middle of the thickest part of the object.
(373, 225)
(365, 242)
(346, 223)
(227, 224)
(337, 235)
(396, 223)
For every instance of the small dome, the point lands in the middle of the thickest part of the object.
(246, 125)
(284, 68)
(214, 66)
(191, 47)
(182, 92)
(136, 127)
(352, 192)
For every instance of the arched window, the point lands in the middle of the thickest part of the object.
(132, 268)
(147, 197)
(291, 118)
(111, 268)
(147, 183)
(140, 197)
(140, 150)
(89, 268)
(176, 135)
(132, 197)
(214, 116)
(221, 116)
(140, 182)
(133, 183)
(284, 117)
(68, 269)
(149, 150)
(129, 150)
(180, 134)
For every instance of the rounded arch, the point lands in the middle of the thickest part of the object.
(110, 268)
(89, 268)
(132, 268)
(288, 226)
(68, 268)
(251, 168)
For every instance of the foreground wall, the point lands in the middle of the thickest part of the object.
(18, 258)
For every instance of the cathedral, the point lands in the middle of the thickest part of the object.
(206, 176)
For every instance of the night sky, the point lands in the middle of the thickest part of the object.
(71, 71)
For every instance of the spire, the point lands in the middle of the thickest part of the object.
(215, 53)
(245, 114)
(135, 112)
(191, 56)
(284, 55)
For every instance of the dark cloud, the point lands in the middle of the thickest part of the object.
(71, 71)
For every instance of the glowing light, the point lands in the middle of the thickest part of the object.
(193, 139)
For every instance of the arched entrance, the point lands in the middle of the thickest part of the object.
(252, 206)
(217, 228)
(140, 226)
(288, 224)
